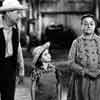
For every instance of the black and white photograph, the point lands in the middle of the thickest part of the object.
(49, 49)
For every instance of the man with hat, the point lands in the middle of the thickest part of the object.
(10, 48)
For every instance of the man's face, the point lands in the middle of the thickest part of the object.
(88, 25)
(14, 16)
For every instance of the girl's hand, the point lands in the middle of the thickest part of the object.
(48, 67)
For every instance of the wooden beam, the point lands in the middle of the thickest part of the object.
(63, 12)
(72, 1)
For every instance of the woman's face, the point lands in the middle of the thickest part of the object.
(46, 57)
(88, 25)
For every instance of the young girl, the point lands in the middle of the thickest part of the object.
(41, 64)
(84, 61)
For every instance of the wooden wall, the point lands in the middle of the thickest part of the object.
(66, 12)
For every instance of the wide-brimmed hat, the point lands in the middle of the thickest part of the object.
(10, 5)
(36, 52)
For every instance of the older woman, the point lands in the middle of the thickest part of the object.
(84, 61)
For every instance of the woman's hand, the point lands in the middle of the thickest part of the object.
(93, 73)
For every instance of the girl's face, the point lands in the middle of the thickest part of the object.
(46, 57)
(88, 25)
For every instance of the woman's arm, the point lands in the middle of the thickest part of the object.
(71, 58)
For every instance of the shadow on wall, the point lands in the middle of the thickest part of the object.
(61, 39)
(59, 36)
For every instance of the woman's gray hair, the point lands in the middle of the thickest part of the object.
(89, 15)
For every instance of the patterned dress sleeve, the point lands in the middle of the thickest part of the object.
(71, 58)
(98, 53)
(98, 74)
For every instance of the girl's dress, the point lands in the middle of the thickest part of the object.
(44, 77)
(37, 72)
(85, 53)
